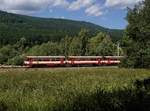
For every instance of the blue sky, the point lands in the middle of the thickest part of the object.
(112, 18)
(107, 13)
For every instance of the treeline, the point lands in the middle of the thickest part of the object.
(80, 45)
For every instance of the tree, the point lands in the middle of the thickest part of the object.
(17, 60)
(7, 52)
(75, 47)
(94, 43)
(83, 36)
(138, 32)
(64, 45)
(106, 47)
(101, 45)
(46, 49)
(21, 45)
(78, 44)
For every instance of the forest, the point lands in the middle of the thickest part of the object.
(36, 30)
(23, 35)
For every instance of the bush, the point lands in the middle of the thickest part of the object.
(18, 60)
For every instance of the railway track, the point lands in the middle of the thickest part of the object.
(11, 66)
(22, 67)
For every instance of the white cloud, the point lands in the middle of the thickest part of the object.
(62, 17)
(63, 3)
(76, 5)
(20, 6)
(94, 10)
(91, 7)
(121, 3)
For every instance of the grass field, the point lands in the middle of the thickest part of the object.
(61, 89)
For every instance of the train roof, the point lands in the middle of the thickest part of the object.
(77, 57)
(44, 57)
(96, 57)
(115, 57)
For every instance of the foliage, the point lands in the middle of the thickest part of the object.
(17, 60)
(78, 45)
(101, 45)
(94, 42)
(7, 52)
(65, 45)
(45, 49)
(138, 35)
(75, 47)
(84, 36)
(106, 48)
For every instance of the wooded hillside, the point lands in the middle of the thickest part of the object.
(39, 30)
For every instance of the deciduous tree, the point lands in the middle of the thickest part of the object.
(138, 33)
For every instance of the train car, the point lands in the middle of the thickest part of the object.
(94, 60)
(50, 61)
(44, 61)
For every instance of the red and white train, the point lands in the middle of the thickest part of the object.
(51, 61)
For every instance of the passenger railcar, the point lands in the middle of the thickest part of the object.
(49, 61)
(94, 60)
(44, 61)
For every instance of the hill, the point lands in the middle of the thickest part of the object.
(38, 30)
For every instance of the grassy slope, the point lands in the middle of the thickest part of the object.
(36, 89)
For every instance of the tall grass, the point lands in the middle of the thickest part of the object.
(70, 89)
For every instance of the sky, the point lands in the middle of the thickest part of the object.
(107, 13)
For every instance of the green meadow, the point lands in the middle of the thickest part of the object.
(66, 89)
